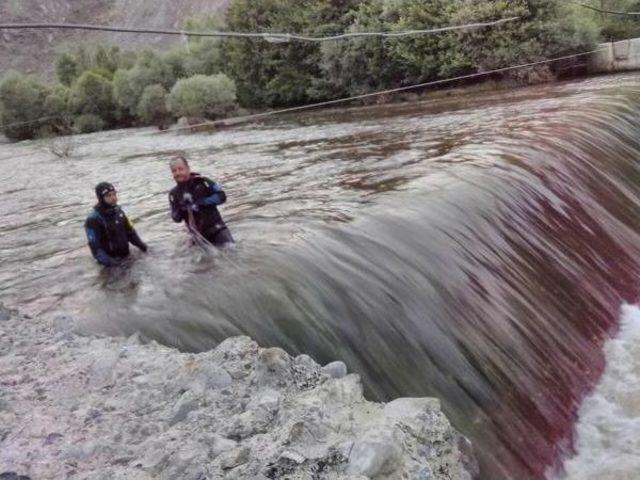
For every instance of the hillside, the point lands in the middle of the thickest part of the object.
(34, 50)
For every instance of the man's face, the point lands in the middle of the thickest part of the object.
(111, 199)
(180, 171)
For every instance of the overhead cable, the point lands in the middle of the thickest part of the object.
(268, 36)
(256, 116)
(610, 12)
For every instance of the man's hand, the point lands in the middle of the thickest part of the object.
(188, 204)
(189, 207)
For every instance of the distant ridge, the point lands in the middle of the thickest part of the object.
(34, 51)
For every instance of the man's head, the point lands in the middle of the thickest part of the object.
(106, 194)
(180, 169)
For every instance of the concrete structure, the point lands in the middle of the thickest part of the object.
(616, 57)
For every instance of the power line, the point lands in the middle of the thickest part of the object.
(247, 118)
(28, 122)
(611, 12)
(271, 37)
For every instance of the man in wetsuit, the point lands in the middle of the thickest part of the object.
(195, 201)
(108, 229)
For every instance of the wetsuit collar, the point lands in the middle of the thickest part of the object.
(105, 209)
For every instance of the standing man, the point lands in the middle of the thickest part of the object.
(108, 229)
(195, 200)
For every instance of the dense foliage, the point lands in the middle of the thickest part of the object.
(204, 76)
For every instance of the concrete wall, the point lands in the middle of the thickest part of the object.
(616, 57)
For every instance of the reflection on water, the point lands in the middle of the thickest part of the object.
(476, 249)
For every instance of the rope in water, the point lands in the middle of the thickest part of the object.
(247, 118)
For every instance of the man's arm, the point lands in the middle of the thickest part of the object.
(215, 195)
(94, 236)
(133, 237)
(177, 213)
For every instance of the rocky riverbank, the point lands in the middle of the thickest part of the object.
(113, 408)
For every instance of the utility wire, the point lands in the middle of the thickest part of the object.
(273, 37)
(28, 122)
(610, 12)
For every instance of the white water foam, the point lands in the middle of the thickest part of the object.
(608, 429)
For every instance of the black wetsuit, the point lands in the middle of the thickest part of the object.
(200, 196)
(109, 232)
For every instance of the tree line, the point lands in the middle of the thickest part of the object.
(109, 87)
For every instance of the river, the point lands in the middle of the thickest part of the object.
(475, 248)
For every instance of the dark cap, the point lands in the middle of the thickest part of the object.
(103, 188)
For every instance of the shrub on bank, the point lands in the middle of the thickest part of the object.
(88, 123)
(150, 69)
(152, 108)
(201, 96)
(92, 94)
(22, 106)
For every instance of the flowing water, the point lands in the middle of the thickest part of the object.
(478, 249)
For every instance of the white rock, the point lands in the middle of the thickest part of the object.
(304, 360)
(267, 399)
(234, 458)
(412, 408)
(187, 403)
(335, 369)
(273, 367)
(101, 373)
(342, 391)
(378, 452)
(290, 418)
(235, 348)
(292, 456)
(221, 445)
(217, 377)
(63, 324)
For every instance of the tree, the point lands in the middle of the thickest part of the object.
(359, 65)
(88, 123)
(67, 69)
(255, 64)
(204, 58)
(56, 105)
(546, 30)
(93, 94)
(150, 69)
(152, 108)
(107, 58)
(22, 110)
(201, 96)
(615, 27)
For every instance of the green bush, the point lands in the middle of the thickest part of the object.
(152, 108)
(88, 123)
(56, 105)
(67, 69)
(297, 72)
(264, 71)
(204, 58)
(201, 96)
(22, 106)
(129, 85)
(92, 94)
(175, 60)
